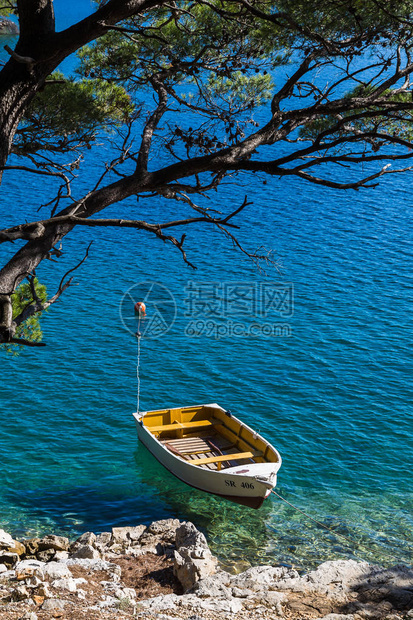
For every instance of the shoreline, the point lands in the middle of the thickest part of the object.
(166, 570)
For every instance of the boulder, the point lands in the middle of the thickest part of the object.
(32, 546)
(6, 540)
(46, 555)
(88, 538)
(264, 577)
(338, 571)
(60, 555)
(165, 529)
(103, 540)
(29, 566)
(58, 543)
(167, 602)
(7, 27)
(160, 534)
(211, 587)
(55, 570)
(129, 535)
(17, 547)
(8, 558)
(86, 552)
(193, 559)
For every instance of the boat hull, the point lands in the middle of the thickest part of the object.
(248, 485)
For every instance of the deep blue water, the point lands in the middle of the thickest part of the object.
(333, 394)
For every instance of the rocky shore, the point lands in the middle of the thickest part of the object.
(7, 27)
(166, 571)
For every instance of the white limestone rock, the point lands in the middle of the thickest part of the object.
(125, 593)
(6, 540)
(103, 540)
(86, 552)
(338, 571)
(88, 538)
(58, 543)
(163, 603)
(193, 559)
(160, 534)
(264, 577)
(55, 570)
(114, 570)
(69, 584)
(211, 587)
(128, 535)
(52, 604)
(60, 555)
(29, 565)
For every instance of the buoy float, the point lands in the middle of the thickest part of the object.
(140, 308)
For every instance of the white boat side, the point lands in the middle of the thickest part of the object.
(247, 484)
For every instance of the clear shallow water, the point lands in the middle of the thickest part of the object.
(335, 397)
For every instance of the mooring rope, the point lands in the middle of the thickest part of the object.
(361, 547)
(329, 529)
(138, 361)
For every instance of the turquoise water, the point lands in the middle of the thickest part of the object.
(333, 394)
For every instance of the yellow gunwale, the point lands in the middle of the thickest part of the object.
(183, 422)
(183, 425)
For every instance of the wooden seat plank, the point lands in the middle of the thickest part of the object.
(237, 456)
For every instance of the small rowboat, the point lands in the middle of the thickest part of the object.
(211, 450)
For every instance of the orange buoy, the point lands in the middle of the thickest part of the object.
(140, 308)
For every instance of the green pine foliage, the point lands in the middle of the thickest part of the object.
(31, 328)
(71, 112)
(8, 7)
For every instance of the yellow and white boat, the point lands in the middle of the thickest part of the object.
(211, 450)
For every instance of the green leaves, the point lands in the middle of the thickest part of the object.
(388, 123)
(8, 7)
(30, 329)
(340, 19)
(240, 90)
(69, 113)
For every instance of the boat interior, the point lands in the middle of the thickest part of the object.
(208, 437)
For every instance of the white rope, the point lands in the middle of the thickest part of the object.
(329, 529)
(138, 365)
(353, 543)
